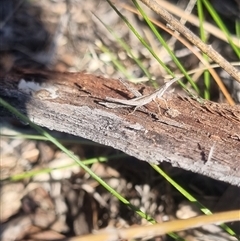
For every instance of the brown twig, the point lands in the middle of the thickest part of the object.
(193, 50)
(159, 229)
(207, 49)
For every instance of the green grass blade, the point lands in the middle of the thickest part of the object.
(29, 174)
(203, 37)
(141, 39)
(221, 25)
(115, 60)
(163, 42)
(43, 138)
(126, 47)
(237, 27)
(75, 158)
(192, 199)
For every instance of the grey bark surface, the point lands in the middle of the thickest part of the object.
(203, 137)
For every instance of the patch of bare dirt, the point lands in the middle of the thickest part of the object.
(61, 200)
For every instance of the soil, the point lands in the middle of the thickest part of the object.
(61, 200)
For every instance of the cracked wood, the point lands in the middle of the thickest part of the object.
(185, 134)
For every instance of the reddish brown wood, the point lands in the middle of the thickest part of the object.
(183, 135)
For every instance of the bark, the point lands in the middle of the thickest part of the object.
(200, 136)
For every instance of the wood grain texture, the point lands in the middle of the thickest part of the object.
(184, 134)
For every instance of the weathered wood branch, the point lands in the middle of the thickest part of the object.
(201, 137)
